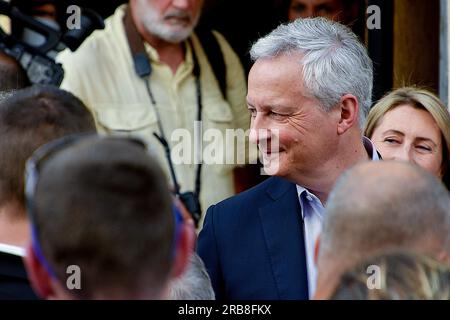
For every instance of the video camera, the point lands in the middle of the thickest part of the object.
(39, 60)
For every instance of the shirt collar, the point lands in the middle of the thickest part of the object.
(304, 193)
(14, 250)
(371, 150)
(154, 56)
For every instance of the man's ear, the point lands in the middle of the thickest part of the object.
(38, 276)
(185, 247)
(349, 113)
(316, 250)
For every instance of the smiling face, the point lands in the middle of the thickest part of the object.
(293, 133)
(410, 134)
(330, 9)
(170, 20)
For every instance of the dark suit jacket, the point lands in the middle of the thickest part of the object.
(14, 282)
(253, 245)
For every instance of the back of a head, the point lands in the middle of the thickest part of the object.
(13, 76)
(194, 284)
(395, 276)
(381, 205)
(103, 204)
(30, 118)
(334, 62)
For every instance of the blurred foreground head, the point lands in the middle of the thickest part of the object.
(101, 209)
(29, 118)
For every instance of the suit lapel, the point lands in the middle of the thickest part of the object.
(283, 232)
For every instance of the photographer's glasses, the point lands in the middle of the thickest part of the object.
(32, 173)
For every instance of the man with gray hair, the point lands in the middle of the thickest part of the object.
(393, 205)
(149, 73)
(308, 92)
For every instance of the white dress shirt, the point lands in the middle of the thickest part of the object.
(312, 215)
(14, 250)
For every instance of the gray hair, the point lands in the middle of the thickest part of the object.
(334, 62)
(194, 284)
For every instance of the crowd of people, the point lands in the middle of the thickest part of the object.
(93, 204)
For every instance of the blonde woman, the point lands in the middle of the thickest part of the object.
(413, 125)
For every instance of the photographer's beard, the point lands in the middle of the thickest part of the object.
(173, 26)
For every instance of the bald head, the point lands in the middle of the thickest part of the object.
(378, 206)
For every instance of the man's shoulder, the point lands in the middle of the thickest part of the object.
(14, 284)
(206, 36)
(11, 265)
(254, 197)
(204, 32)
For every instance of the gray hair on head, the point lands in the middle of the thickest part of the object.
(194, 284)
(334, 62)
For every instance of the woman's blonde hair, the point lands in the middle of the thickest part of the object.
(396, 275)
(420, 99)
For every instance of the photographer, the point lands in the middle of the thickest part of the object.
(177, 87)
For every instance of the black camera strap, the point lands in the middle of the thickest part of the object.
(143, 69)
